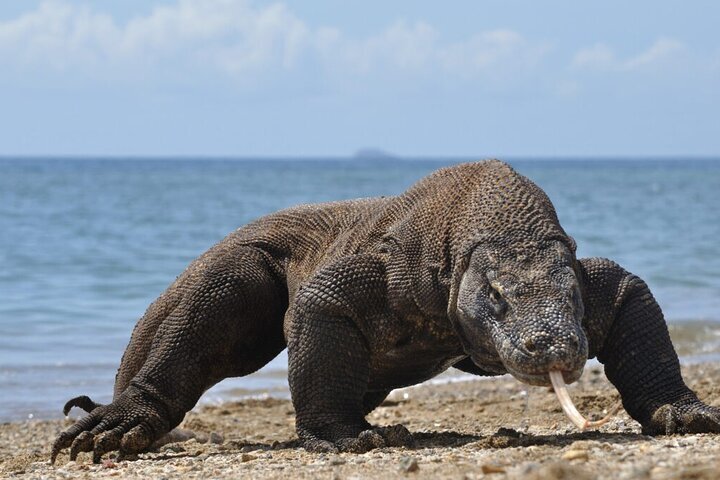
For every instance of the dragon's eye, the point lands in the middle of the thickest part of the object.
(497, 301)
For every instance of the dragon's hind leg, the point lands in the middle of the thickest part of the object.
(227, 321)
(139, 346)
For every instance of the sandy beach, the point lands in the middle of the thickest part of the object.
(496, 428)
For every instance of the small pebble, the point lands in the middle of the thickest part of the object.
(246, 457)
(174, 447)
(490, 468)
(575, 455)
(687, 441)
(408, 464)
(585, 445)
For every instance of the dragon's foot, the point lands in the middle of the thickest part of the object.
(130, 424)
(355, 439)
(684, 417)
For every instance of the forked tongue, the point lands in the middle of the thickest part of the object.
(558, 383)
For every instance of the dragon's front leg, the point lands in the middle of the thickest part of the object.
(628, 334)
(329, 359)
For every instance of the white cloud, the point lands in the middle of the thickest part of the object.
(599, 56)
(664, 52)
(418, 47)
(57, 35)
(400, 46)
(487, 49)
(241, 40)
(225, 34)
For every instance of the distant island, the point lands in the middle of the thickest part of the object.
(373, 154)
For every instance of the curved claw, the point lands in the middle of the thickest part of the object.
(63, 441)
(107, 442)
(82, 443)
(83, 401)
(66, 438)
(136, 440)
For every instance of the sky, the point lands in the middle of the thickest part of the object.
(465, 78)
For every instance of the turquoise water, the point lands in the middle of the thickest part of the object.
(86, 245)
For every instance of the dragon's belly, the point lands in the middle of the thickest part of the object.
(406, 366)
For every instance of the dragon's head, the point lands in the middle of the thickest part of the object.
(520, 302)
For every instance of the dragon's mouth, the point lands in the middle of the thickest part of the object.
(534, 369)
(530, 363)
(542, 379)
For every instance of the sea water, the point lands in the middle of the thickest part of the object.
(87, 244)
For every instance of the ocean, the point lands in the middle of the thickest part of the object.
(87, 244)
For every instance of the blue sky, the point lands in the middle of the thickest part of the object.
(303, 78)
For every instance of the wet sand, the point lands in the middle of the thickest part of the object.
(494, 428)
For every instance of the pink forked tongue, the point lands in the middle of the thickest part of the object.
(558, 383)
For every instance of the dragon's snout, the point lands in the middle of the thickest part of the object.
(539, 344)
(535, 348)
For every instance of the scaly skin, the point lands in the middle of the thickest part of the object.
(469, 267)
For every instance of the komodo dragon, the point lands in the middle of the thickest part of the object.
(468, 268)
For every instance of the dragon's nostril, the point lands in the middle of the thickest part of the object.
(530, 345)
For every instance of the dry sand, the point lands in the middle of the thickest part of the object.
(494, 428)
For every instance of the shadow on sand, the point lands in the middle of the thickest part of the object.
(509, 438)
